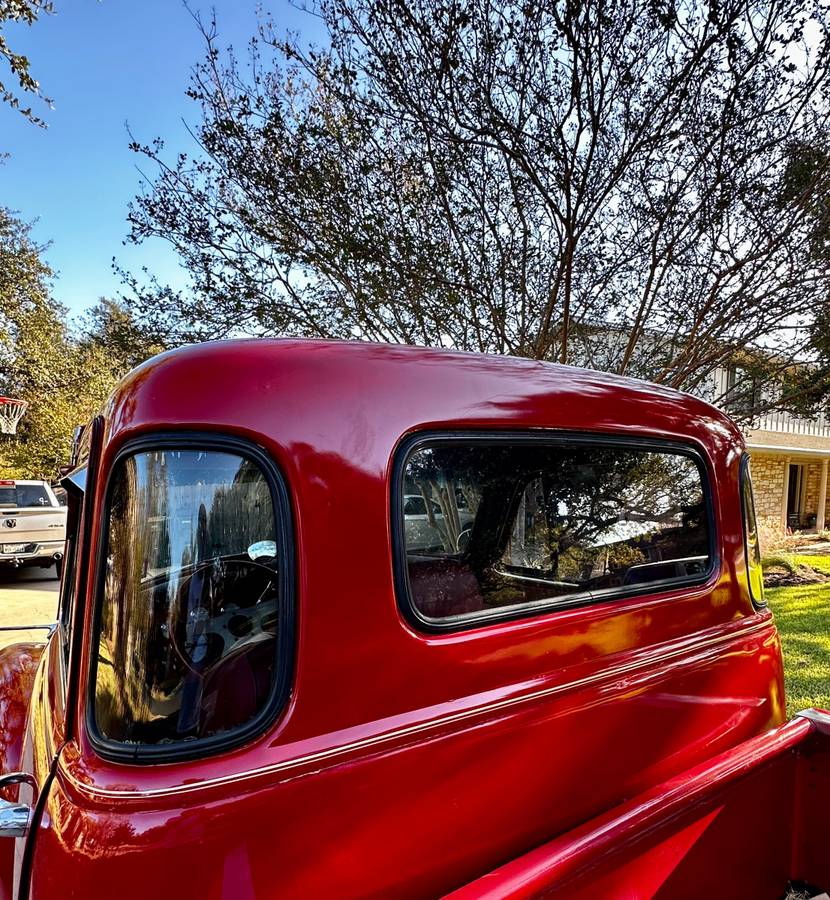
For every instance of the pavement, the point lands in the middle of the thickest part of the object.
(815, 548)
(28, 596)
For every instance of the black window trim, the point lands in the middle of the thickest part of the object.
(77, 481)
(286, 638)
(744, 480)
(414, 441)
(74, 483)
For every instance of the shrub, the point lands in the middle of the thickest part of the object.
(779, 561)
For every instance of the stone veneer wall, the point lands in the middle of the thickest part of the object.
(813, 472)
(768, 485)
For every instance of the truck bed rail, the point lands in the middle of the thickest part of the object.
(696, 832)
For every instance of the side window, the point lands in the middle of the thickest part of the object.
(70, 554)
(73, 490)
(523, 524)
(752, 545)
(192, 621)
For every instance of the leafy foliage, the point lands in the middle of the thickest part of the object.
(575, 501)
(26, 11)
(610, 184)
(110, 328)
(64, 378)
(806, 386)
(783, 561)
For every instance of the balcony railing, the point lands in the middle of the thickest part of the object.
(789, 424)
(775, 420)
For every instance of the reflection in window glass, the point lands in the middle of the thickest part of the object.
(753, 545)
(66, 603)
(188, 633)
(510, 525)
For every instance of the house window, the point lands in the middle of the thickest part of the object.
(518, 524)
(742, 392)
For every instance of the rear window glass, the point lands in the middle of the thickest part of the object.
(192, 600)
(503, 526)
(21, 496)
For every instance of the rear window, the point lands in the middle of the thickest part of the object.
(192, 630)
(505, 525)
(22, 496)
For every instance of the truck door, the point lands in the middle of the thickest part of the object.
(48, 723)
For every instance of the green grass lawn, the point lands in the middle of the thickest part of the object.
(803, 617)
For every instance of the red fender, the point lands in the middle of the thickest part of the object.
(18, 665)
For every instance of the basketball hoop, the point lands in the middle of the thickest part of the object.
(11, 412)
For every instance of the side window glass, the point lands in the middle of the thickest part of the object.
(527, 524)
(752, 544)
(73, 495)
(68, 572)
(192, 607)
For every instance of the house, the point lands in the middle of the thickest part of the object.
(789, 459)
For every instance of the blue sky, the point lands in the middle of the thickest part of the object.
(106, 64)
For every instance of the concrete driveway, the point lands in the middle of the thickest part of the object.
(27, 598)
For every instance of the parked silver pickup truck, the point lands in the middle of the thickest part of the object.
(32, 525)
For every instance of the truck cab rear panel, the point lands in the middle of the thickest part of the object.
(407, 754)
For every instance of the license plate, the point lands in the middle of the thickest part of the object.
(12, 548)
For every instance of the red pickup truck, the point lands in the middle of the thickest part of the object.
(349, 620)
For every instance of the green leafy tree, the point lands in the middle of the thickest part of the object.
(63, 377)
(805, 386)
(28, 12)
(111, 328)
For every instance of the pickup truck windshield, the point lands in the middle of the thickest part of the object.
(22, 496)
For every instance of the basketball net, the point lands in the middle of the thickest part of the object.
(11, 412)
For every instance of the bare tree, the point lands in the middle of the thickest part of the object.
(600, 183)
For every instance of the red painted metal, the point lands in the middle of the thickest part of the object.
(811, 815)
(405, 764)
(18, 666)
(615, 840)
